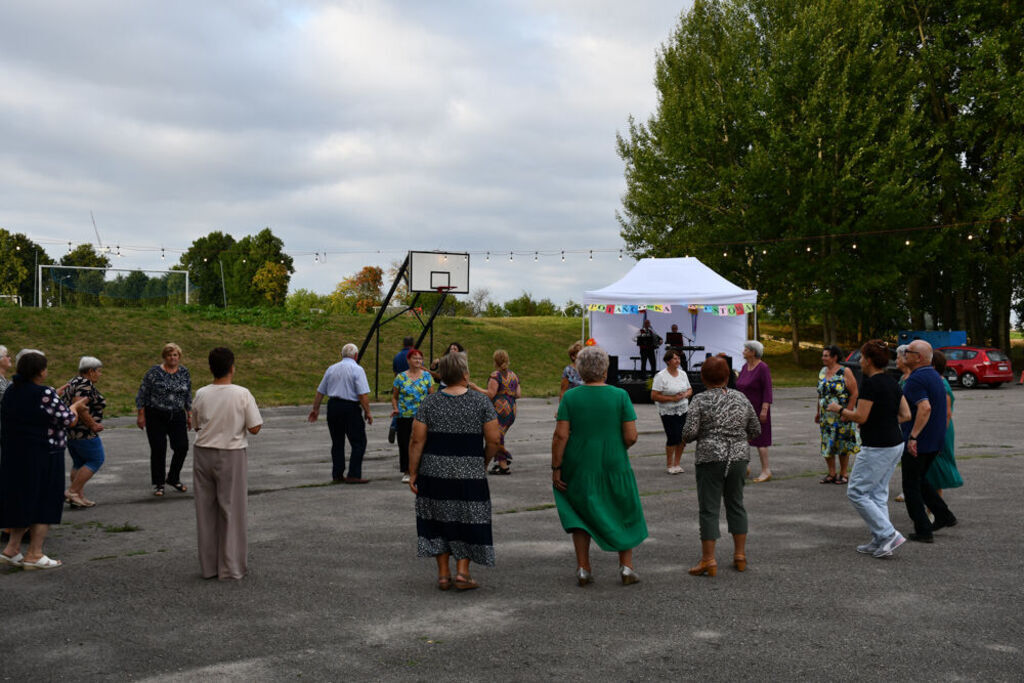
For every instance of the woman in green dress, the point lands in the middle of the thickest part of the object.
(943, 473)
(595, 489)
(838, 438)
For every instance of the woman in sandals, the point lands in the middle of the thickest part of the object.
(32, 460)
(503, 389)
(839, 439)
(454, 436)
(84, 443)
(165, 405)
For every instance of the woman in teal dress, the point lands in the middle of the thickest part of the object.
(594, 486)
(943, 473)
(838, 439)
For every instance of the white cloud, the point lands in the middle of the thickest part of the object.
(378, 126)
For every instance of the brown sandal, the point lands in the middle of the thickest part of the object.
(444, 582)
(464, 582)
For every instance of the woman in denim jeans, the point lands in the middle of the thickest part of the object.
(881, 408)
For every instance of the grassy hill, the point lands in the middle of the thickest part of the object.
(281, 356)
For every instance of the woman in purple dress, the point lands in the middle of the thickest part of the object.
(755, 382)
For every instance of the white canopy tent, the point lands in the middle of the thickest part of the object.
(664, 289)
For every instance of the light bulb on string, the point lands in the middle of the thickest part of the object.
(907, 243)
(620, 254)
(808, 249)
(854, 245)
(316, 257)
(488, 257)
(591, 254)
(563, 256)
(162, 255)
(510, 256)
(534, 257)
(970, 237)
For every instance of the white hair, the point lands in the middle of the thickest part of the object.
(901, 350)
(592, 363)
(24, 351)
(89, 363)
(3, 350)
(350, 351)
(755, 347)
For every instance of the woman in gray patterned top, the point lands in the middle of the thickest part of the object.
(448, 473)
(722, 421)
(165, 404)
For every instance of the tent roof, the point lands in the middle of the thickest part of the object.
(677, 281)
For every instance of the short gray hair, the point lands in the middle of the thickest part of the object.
(901, 350)
(89, 363)
(755, 347)
(3, 350)
(592, 363)
(453, 367)
(24, 351)
(350, 351)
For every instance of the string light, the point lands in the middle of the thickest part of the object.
(907, 243)
(854, 245)
(563, 256)
(970, 237)
(808, 249)
(534, 257)
(162, 256)
(488, 257)
(316, 257)
(620, 254)
(510, 256)
(591, 254)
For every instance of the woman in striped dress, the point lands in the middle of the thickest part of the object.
(454, 436)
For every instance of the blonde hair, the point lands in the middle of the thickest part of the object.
(501, 359)
(574, 349)
(169, 348)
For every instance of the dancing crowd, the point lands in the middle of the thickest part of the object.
(449, 431)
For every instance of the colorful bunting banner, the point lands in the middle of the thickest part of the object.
(633, 309)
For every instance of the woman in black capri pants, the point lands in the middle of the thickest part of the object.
(165, 403)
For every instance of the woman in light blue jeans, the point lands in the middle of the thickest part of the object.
(881, 408)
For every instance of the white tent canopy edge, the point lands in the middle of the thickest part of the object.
(679, 283)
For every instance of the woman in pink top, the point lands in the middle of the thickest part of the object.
(755, 382)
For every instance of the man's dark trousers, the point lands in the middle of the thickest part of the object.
(917, 493)
(345, 419)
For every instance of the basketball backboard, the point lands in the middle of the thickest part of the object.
(431, 271)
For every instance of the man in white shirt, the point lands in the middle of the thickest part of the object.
(223, 414)
(348, 393)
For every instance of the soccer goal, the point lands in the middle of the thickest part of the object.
(97, 286)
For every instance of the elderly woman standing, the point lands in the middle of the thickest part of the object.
(5, 365)
(570, 376)
(722, 421)
(33, 421)
(670, 390)
(838, 438)
(503, 389)
(454, 437)
(943, 473)
(880, 409)
(409, 390)
(84, 442)
(594, 485)
(165, 404)
(755, 382)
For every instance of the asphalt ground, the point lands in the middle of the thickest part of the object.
(336, 592)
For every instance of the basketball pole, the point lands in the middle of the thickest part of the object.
(375, 328)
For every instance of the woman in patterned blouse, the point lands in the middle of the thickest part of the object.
(722, 422)
(84, 444)
(165, 404)
(32, 460)
(410, 388)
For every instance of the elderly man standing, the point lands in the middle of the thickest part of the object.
(348, 392)
(925, 432)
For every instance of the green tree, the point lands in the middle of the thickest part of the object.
(250, 256)
(18, 259)
(360, 292)
(203, 261)
(524, 305)
(80, 287)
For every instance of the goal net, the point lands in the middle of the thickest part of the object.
(127, 287)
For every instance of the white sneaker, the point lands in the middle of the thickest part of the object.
(405, 478)
(678, 470)
(885, 550)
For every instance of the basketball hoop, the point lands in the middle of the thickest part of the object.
(445, 289)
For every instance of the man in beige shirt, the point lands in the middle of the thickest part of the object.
(224, 414)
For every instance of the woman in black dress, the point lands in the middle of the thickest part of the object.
(32, 424)
(448, 473)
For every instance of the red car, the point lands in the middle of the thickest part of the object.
(974, 365)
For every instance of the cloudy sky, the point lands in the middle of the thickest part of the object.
(355, 129)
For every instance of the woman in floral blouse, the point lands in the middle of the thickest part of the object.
(32, 460)
(722, 422)
(165, 404)
(84, 442)
(410, 388)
